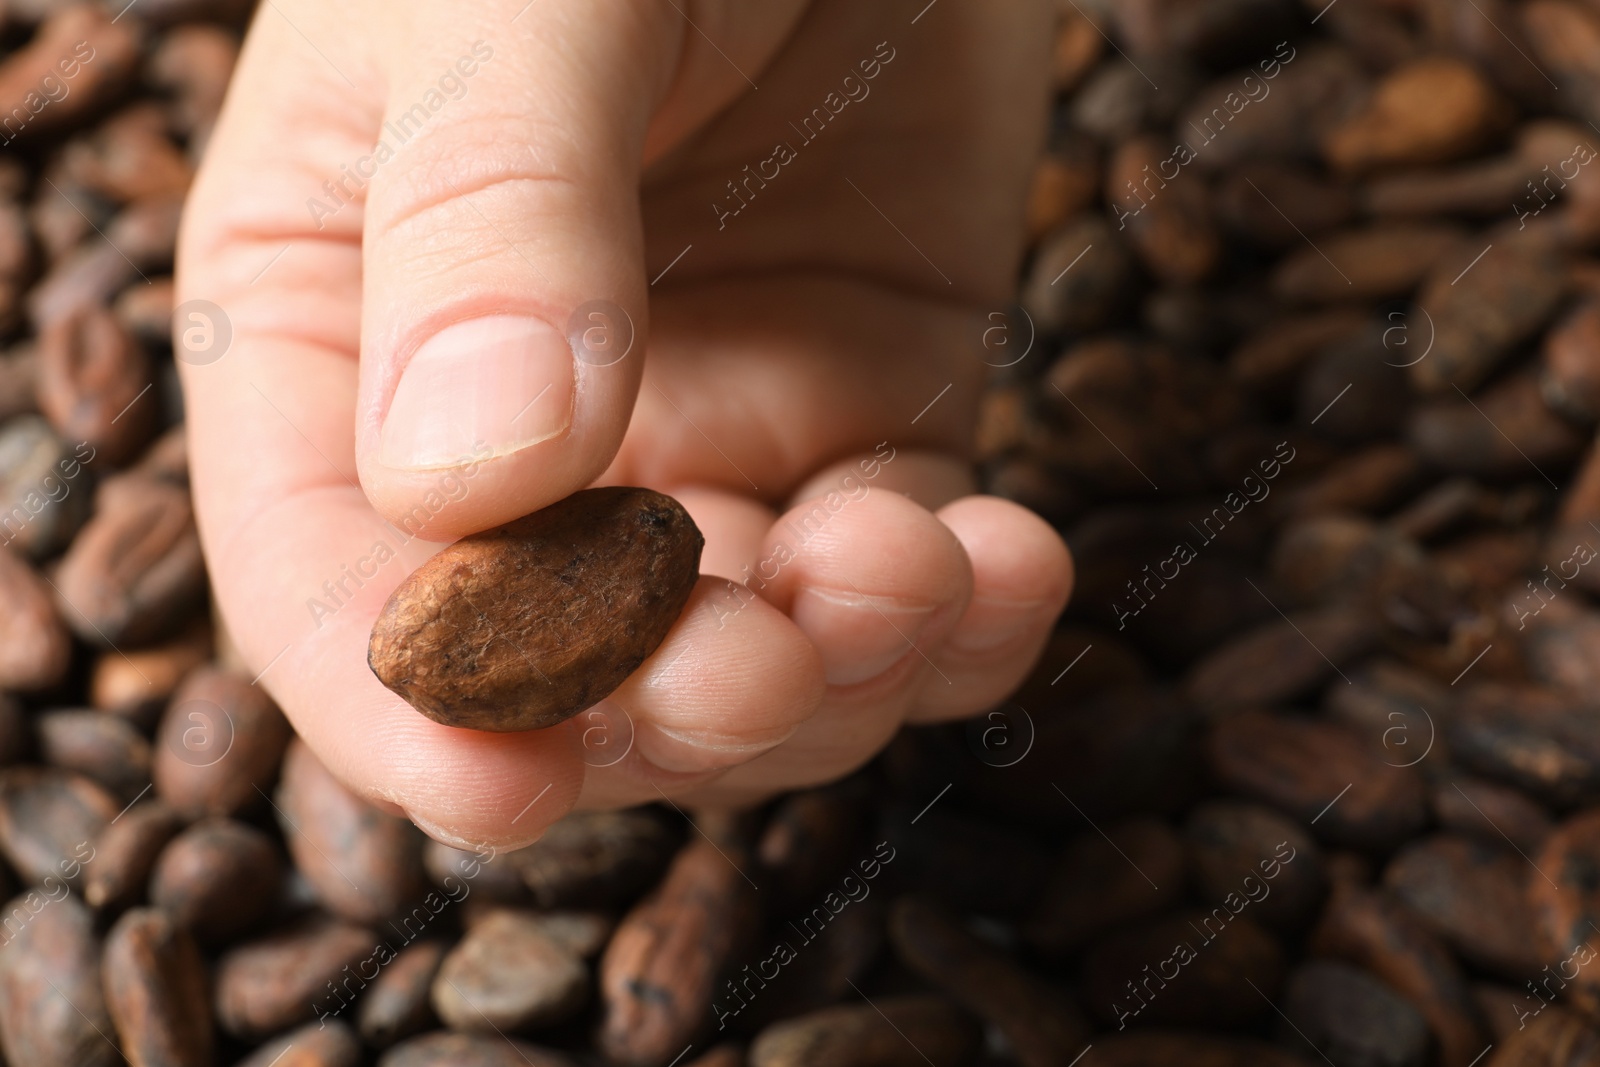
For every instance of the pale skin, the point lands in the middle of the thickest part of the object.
(784, 348)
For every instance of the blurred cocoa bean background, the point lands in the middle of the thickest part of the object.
(1306, 368)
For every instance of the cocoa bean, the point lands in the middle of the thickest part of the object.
(1281, 660)
(1189, 1048)
(494, 877)
(35, 648)
(1479, 316)
(892, 1032)
(362, 863)
(1168, 223)
(508, 975)
(596, 858)
(1349, 1016)
(43, 496)
(1102, 882)
(1042, 1025)
(48, 819)
(1301, 766)
(326, 1043)
(219, 745)
(1431, 110)
(219, 878)
(469, 639)
(125, 853)
(1372, 931)
(94, 383)
(1535, 739)
(659, 975)
(1215, 955)
(397, 1005)
(156, 991)
(1497, 435)
(1551, 1038)
(1565, 903)
(291, 975)
(1065, 293)
(138, 682)
(1227, 843)
(1472, 895)
(469, 1050)
(1248, 201)
(52, 1008)
(1367, 264)
(80, 42)
(134, 573)
(810, 837)
(98, 746)
(1491, 813)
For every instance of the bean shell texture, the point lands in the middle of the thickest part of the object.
(525, 625)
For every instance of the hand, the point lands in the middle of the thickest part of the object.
(400, 366)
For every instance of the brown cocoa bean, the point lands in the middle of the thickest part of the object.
(596, 858)
(1538, 740)
(810, 837)
(52, 1008)
(525, 625)
(1248, 201)
(1067, 177)
(891, 1032)
(156, 991)
(1374, 932)
(128, 157)
(1268, 362)
(1492, 813)
(494, 876)
(1067, 294)
(43, 498)
(659, 975)
(397, 1005)
(291, 974)
(1189, 1048)
(1041, 1024)
(1281, 660)
(1551, 1038)
(1215, 955)
(1227, 843)
(138, 682)
(1376, 263)
(1472, 895)
(94, 383)
(1349, 1016)
(145, 311)
(1565, 902)
(469, 1050)
(192, 63)
(1102, 882)
(219, 878)
(1370, 481)
(1480, 314)
(1561, 34)
(48, 819)
(1432, 110)
(134, 574)
(82, 42)
(1168, 222)
(35, 648)
(508, 975)
(1301, 765)
(326, 1043)
(99, 746)
(1497, 435)
(219, 745)
(1570, 375)
(125, 853)
(362, 863)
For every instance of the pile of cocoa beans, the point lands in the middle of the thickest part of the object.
(1305, 366)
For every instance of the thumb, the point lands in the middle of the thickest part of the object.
(504, 302)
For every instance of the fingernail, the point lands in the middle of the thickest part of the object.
(690, 752)
(859, 637)
(991, 624)
(502, 382)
